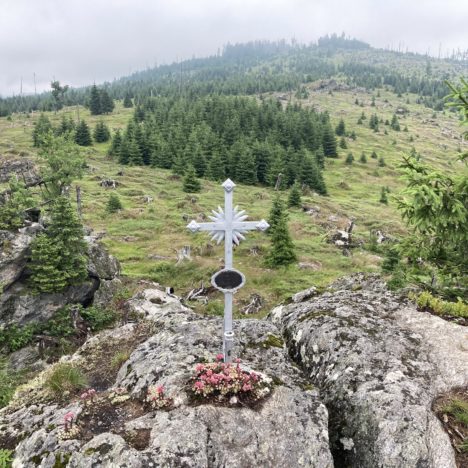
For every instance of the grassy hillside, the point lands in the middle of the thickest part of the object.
(145, 236)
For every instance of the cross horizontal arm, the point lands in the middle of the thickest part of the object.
(196, 227)
(251, 225)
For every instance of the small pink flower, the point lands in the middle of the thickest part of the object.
(246, 387)
(160, 389)
(219, 357)
(199, 367)
(69, 417)
(199, 385)
(84, 395)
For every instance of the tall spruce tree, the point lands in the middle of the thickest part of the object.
(216, 170)
(114, 149)
(107, 103)
(282, 252)
(311, 176)
(95, 101)
(329, 142)
(83, 135)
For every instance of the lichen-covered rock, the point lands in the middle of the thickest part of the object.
(19, 305)
(106, 292)
(288, 428)
(378, 363)
(101, 264)
(14, 247)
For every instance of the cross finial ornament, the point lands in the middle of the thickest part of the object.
(228, 225)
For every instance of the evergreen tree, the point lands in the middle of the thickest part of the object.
(41, 128)
(294, 199)
(395, 125)
(246, 171)
(191, 183)
(82, 135)
(114, 149)
(216, 169)
(353, 135)
(275, 214)
(113, 204)
(363, 158)
(373, 101)
(107, 103)
(383, 196)
(340, 128)
(127, 103)
(282, 248)
(374, 155)
(17, 200)
(101, 132)
(95, 101)
(66, 125)
(46, 275)
(58, 256)
(320, 157)
(311, 176)
(343, 144)
(134, 154)
(329, 142)
(381, 161)
(349, 159)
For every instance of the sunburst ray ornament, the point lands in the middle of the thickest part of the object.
(228, 225)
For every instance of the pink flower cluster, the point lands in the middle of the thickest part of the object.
(88, 396)
(156, 397)
(68, 420)
(225, 380)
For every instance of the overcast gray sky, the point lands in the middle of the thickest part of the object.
(81, 41)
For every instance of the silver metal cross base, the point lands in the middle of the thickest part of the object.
(228, 225)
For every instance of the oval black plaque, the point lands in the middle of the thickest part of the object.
(228, 280)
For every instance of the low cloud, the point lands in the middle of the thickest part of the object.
(82, 41)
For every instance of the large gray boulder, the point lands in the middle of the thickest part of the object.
(14, 248)
(378, 363)
(288, 429)
(19, 305)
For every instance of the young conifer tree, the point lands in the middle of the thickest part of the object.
(340, 128)
(282, 251)
(46, 275)
(101, 132)
(114, 204)
(127, 103)
(275, 214)
(58, 256)
(383, 196)
(82, 135)
(294, 199)
(191, 183)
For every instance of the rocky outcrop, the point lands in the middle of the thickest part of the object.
(288, 428)
(378, 363)
(23, 168)
(19, 305)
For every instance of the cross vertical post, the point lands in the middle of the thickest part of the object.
(228, 225)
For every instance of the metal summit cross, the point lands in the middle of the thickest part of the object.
(228, 225)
